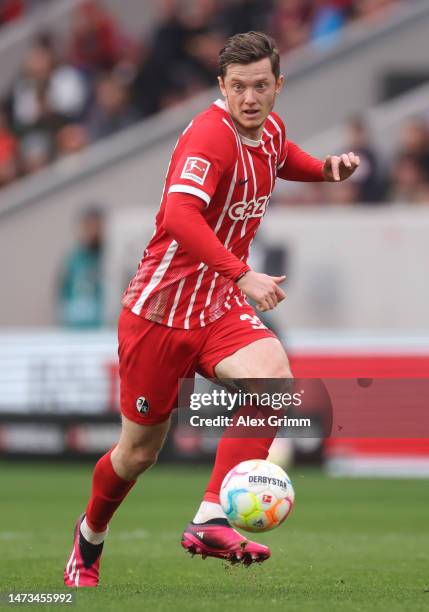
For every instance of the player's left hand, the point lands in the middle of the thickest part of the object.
(340, 167)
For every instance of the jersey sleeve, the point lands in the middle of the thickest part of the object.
(185, 223)
(295, 164)
(208, 150)
(298, 165)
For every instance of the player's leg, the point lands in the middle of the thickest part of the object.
(152, 358)
(238, 348)
(117, 471)
(265, 358)
(114, 476)
(241, 347)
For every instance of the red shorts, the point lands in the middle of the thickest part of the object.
(153, 357)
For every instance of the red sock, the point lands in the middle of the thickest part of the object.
(231, 451)
(108, 491)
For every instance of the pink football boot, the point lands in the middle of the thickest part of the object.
(83, 566)
(216, 538)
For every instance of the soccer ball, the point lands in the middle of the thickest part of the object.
(256, 495)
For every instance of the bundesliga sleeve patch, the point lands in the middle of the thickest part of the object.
(196, 169)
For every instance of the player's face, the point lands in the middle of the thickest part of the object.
(250, 91)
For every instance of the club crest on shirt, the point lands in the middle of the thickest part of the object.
(195, 169)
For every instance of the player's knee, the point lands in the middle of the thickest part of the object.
(138, 460)
(281, 370)
(144, 459)
(278, 370)
(275, 378)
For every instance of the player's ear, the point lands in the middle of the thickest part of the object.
(221, 85)
(280, 83)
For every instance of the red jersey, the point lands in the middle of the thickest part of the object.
(234, 177)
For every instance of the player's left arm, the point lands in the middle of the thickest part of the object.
(340, 167)
(301, 166)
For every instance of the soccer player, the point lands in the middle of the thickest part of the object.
(185, 311)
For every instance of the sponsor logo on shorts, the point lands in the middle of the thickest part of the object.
(142, 405)
(196, 169)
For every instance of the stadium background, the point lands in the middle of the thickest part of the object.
(93, 96)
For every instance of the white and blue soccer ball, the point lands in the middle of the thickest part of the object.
(257, 495)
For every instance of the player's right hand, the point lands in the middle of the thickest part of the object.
(263, 289)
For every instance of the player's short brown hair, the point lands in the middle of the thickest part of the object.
(248, 48)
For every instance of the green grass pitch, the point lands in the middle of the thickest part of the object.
(348, 545)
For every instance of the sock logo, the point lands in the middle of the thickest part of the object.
(142, 405)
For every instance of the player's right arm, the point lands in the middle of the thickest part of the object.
(185, 223)
(263, 289)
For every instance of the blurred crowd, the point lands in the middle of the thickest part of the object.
(100, 80)
(400, 177)
(11, 10)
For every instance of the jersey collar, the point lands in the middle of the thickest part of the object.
(247, 141)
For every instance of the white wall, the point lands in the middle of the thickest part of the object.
(349, 268)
